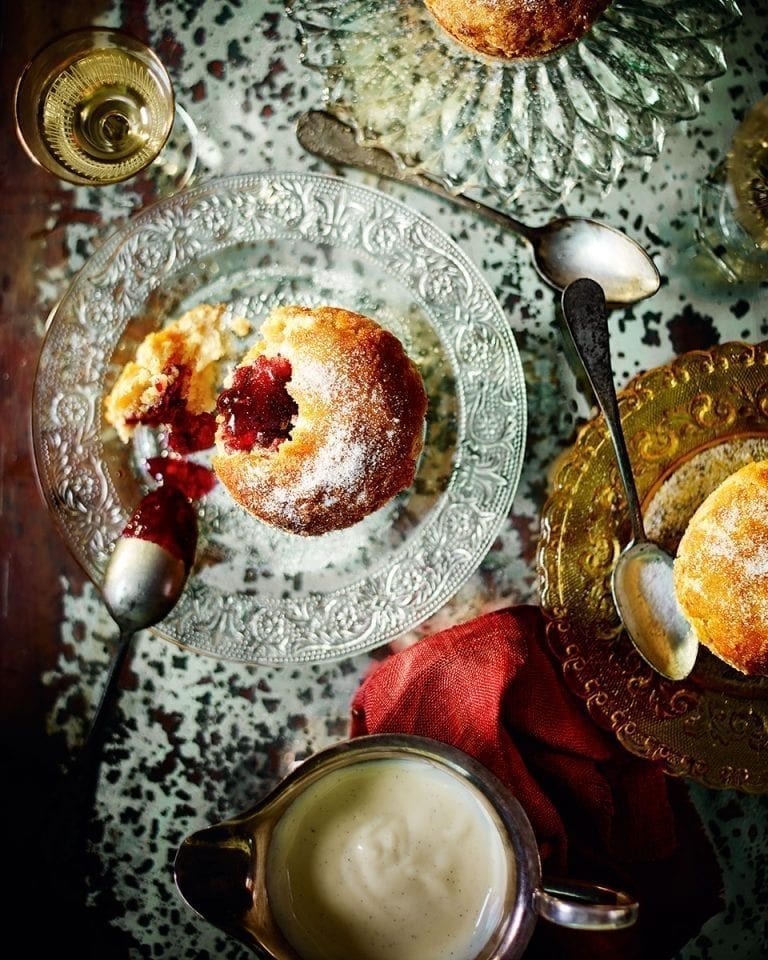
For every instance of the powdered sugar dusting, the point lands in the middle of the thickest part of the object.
(756, 566)
(360, 418)
(336, 471)
(713, 514)
(318, 380)
(339, 465)
(670, 509)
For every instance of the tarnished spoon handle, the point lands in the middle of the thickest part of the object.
(89, 758)
(330, 139)
(587, 322)
(74, 795)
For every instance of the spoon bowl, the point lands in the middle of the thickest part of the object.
(564, 250)
(142, 583)
(643, 593)
(569, 248)
(641, 583)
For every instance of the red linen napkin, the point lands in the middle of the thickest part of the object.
(490, 688)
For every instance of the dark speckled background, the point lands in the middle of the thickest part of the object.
(197, 739)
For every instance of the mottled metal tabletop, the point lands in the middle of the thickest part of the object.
(198, 739)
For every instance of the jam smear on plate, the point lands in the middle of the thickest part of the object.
(257, 409)
(190, 432)
(193, 479)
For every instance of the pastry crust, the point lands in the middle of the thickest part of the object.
(516, 29)
(721, 570)
(358, 432)
(182, 357)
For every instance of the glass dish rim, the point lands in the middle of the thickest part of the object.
(604, 172)
(229, 186)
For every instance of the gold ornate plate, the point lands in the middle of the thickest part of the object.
(688, 425)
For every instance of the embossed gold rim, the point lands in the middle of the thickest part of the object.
(712, 727)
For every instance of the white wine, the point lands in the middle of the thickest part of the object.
(733, 202)
(96, 106)
(748, 173)
(105, 117)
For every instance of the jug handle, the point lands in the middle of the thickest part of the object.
(584, 906)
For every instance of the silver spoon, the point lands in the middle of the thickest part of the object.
(142, 583)
(641, 582)
(563, 250)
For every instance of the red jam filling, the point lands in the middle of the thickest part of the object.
(187, 432)
(168, 402)
(193, 479)
(166, 517)
(257, 409)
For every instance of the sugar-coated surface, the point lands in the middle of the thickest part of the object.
(388, 859)
(357, 431)
(721, 570)
(671, 507)
(516, 29)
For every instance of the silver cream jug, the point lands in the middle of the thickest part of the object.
(221, 871)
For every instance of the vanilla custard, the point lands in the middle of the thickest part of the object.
(389, 859)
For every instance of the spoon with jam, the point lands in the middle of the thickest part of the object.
(144, 579)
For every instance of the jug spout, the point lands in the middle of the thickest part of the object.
(220, 873)
(213, 874)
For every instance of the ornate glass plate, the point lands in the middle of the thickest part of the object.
(537, 128)
(257, 594)
(688, 426)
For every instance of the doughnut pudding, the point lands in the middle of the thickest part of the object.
(516, 29)
(322, 421)
(721, 570)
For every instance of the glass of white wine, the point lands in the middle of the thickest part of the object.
(733, 202)
(96, 106)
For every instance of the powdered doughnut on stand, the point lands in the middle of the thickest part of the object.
(516, 29)
(321, 423)
(721, 570)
